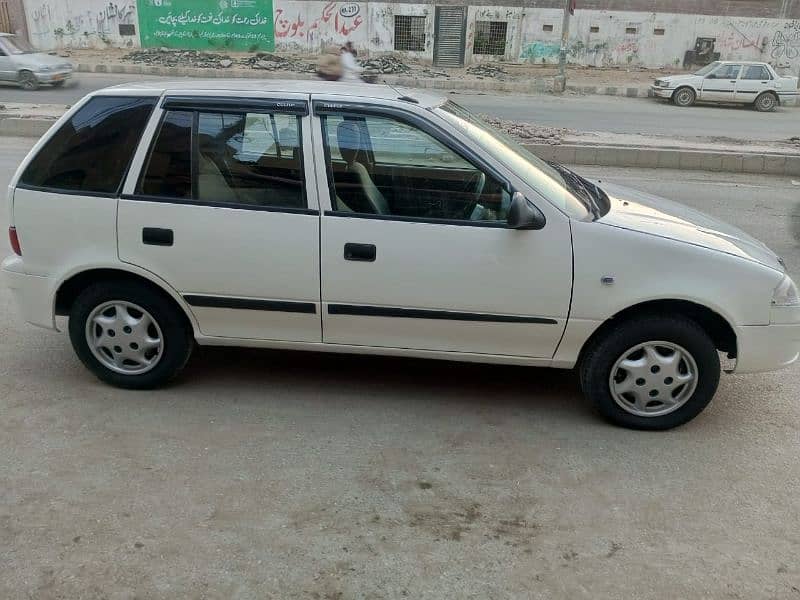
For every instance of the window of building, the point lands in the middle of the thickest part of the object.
(594, 29)
(547, 27)
(240, 159)
(659, 31)
(409, 33)
(490, 37)
(385, 166)
(632, 30)
(91, 152)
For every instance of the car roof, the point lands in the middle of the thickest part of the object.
(203, 86)
(741, 62)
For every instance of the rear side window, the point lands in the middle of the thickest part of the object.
(92, 151)
(756, 72)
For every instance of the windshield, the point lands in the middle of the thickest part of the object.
(708, 68)
(542, 177)
(17, 45)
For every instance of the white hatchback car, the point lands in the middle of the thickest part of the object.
(738, 82)
(353, 218)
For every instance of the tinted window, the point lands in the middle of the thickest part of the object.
(385, 166)
(756, 72)
(251, 159)
(92, 151)
(728, 72)
(168, 170)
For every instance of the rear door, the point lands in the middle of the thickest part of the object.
(221, 211)
(754, 79)
(720, 84)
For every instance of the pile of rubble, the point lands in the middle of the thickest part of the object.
(482, 71)
(386, 65)
(168, 57)
(528, 133)
(264, 61)
(431, 73)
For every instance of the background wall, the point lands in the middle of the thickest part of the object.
(16, 11)
(82, 23)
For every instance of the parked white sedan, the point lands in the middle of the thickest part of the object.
(352, 218)
(739, 82)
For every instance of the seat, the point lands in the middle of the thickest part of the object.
(211, 183)
(352, 147)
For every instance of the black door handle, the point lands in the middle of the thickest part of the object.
(155, 236)
(360, 252)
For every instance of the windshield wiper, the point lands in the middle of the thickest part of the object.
(585, 190)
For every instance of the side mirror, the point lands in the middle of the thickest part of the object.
(522, 214)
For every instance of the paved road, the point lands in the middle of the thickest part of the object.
(582, 113)
(286, 475)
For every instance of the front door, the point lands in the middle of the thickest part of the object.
(7, 71)
(222, 213)
(720, 84)
(450, 36)
(415, 249)
(753, 80)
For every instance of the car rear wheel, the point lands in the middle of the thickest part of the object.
(684, 96)
(766, 102)
(129, 335)
(651, 372)
(27, 80)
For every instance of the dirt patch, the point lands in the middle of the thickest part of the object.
(528, 133)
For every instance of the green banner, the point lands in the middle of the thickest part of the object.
(207, 24)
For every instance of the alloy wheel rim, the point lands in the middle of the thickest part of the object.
(767, 102)
(124, 337)
(684, 97)
(653, 379)
(28, 80)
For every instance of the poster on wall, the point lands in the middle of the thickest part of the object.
(244, 25)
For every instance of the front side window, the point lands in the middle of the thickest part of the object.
(91, 152)
(385, 166)
(758, 72)
(17, 45)
(727, 72)
(239, 159)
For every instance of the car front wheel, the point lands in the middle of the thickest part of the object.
(684, 97)
(129, 335)
(27, 81)
(651, 372)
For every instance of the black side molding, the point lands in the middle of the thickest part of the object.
(249, 304)
(420, 313)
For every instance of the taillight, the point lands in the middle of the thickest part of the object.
(14, 239)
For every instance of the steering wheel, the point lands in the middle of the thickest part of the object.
(475, 182)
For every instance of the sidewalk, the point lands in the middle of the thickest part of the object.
(568, 147)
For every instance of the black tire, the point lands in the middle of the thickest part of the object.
(766, 102)
(176, 332)
(684, 96)
(27, 81)
(604, 352)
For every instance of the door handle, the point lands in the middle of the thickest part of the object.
(360, 252)
(155, 236)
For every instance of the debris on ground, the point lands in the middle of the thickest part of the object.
(795, 140)
(431, 73)
(265, 61)
(482, 71)
(529, 133)
(386, 65)
(168, 57)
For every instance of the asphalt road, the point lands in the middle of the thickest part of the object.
(287, 475)
(581, 113)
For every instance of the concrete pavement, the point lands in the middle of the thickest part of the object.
(581, 113)
(289, 475)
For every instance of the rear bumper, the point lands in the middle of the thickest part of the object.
(769, 347)
(660, 92)
(32, 294)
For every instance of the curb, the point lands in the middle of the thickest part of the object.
(670, 158)
(611, 156)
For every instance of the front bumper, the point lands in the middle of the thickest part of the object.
(32, 294)
(770, 347)
(661, 92)
(53, 76)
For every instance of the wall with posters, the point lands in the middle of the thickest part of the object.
(207, 24)
(56, 24)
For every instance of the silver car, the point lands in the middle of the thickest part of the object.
(21, 63)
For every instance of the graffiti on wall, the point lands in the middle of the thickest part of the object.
(86, 24)
(786, 42)
(335, 18)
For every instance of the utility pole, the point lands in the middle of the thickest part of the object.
(560, 81)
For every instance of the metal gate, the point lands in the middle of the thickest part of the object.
(450, 36)
(5, 18)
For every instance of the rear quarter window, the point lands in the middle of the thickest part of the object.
(92, 151)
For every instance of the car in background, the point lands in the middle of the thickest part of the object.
(350, 218)
(23, 64)
(739, 82)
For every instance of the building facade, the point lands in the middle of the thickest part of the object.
(647, 33)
